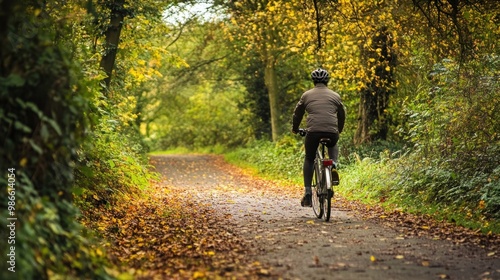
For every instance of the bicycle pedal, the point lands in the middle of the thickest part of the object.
(335, 178)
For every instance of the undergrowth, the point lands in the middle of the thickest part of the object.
(392, 179)
(281, 160)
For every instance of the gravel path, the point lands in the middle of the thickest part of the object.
(293, 244)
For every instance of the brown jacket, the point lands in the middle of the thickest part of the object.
(325, 112)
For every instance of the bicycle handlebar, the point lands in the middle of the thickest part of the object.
(302, 132)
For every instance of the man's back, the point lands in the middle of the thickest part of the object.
(322, 106)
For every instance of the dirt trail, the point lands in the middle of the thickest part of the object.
(293, 244)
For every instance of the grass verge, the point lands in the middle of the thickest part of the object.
(396, 184)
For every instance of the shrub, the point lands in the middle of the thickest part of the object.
(42, 121)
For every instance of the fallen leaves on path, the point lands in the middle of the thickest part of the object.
(165, 235)
(410, 225)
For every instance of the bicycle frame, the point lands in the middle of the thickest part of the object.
(323, 162)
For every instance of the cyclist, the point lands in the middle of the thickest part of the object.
(325, 119)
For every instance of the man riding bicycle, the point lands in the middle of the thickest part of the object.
(325, 119)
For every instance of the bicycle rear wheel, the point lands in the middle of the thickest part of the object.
(327, 195)
(327, 206)
(316, 202)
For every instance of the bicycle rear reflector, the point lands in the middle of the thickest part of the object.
(327, 162)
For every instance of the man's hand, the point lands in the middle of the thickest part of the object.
(300, 131)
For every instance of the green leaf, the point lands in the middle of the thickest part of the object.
(22, 127)
(55, 126)
(35, 147)
(33, 107)
(55, 228)
(14, 81)
(86, 171)
(78, 191)
(44, 133)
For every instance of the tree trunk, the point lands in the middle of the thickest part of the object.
(271, 81)
(112, 38)
(372, 122)
(374, 99)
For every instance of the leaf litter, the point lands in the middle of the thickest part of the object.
(413, 225)
(164, 235)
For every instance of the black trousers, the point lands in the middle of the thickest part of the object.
(311, 144)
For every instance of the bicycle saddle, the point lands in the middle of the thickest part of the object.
(325, 140)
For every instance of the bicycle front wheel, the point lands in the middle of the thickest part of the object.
(316, 201)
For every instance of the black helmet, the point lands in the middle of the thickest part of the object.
(320, 76)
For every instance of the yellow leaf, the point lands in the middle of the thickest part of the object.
(263, 271)
(23, 162)
(99, 252)
(425, 263)
(373, 259)
(481, 204)
(400, 257)
(310, 222)
(198, 274)
(491, 254)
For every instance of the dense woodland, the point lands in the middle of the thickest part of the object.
(88, 88)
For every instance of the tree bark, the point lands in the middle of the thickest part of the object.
(374, 98)
(271, 81)
(112, 39)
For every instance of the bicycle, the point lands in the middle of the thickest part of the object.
(325, 176)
